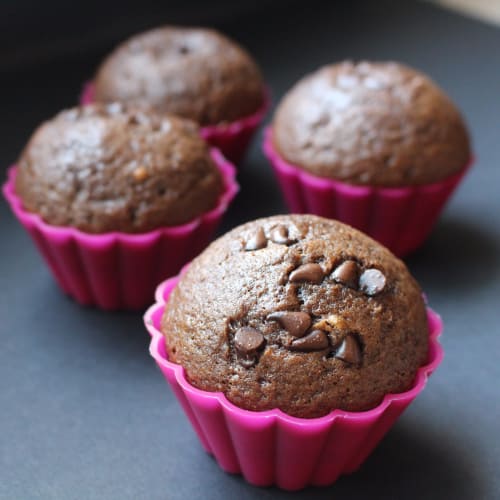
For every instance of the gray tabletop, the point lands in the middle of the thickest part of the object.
(85, 413)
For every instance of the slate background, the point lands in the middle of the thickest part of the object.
(84, 412)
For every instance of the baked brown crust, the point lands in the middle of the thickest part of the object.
(244, 318)
(111, 168)
(380, 124)
(196, 73)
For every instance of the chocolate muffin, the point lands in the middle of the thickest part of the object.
(105, 168)
(379, 124)
(192, 72)
(299, 313)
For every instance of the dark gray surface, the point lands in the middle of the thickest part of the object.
(84, 413)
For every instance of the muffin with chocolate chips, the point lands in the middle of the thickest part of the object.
(299, 313)
(285, 319)
(118, 199)
(359, 141)
(196, 73)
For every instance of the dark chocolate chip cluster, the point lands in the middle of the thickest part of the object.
(249, 342)
(310, 337)
(330, 334)
(279, 235)
(370, 281)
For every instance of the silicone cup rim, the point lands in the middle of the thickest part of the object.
(324, 182)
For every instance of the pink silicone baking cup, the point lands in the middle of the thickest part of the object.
(270, 447)
(399, 218)
(231, 138)
(119, 270)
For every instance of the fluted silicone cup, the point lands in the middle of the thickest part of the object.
(270, 447)
(120, 270)
(401, 218)
(231, 138)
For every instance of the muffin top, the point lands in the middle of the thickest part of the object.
(192, 72)
(380, 124)
(107, 168)
(299, 313)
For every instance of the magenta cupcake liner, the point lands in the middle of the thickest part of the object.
(400, 218)
(231, 138)
(120, 270)
(270, 447)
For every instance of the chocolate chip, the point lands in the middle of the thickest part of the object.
(314, 341)
(279, 235)
(372, 281)
(257, 241)
(248, 340)
(307, 272)
(350, 350)
(295, 323)
(347, 274)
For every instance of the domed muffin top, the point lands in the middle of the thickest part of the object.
(381, 124)
(192, 72)
(112, 168)
(299, 313)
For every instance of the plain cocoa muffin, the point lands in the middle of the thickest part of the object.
(299, 313)
(379, 124)
(105, 168)
(192, 72)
